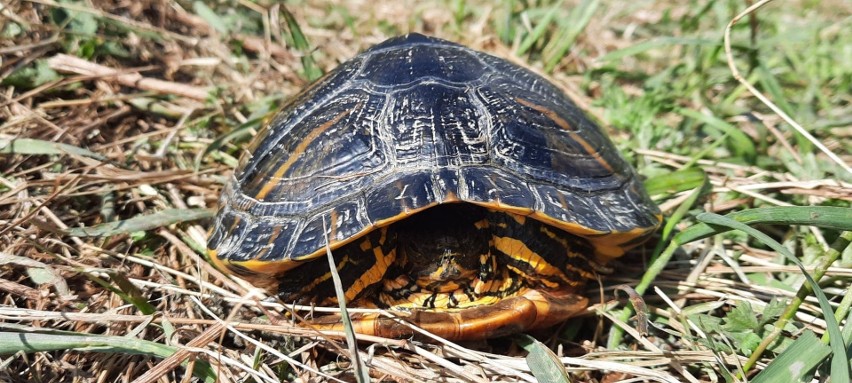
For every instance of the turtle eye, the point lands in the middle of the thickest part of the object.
(448, 256)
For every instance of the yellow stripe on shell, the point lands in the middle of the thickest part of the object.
(296, 153)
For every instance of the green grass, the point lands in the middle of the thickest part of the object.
(140, 165)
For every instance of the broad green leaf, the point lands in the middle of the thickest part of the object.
(772, 310)
(746, 341)
(142, 222)
(38, 272)
(41, 275)
(31, 76)
(700, 308)
(78, 22)
(741, 318)
(11, 30)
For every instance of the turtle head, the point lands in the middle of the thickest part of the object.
(444, 248)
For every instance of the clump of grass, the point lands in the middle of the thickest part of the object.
(120, 122)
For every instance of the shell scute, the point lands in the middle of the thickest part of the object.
(487, 185)
(436, 125)
(407, 193)
(546, 141)
(300, 157)
(228, 235)
(390, 68)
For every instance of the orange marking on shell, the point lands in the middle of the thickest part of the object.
(559, 121)
(294, 156)
(451, 197)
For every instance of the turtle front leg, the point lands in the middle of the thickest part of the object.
(360, 267)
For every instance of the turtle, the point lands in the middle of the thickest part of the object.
(465, 194)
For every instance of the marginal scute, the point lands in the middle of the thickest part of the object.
(580, 208)
(280, 241)
(313, 236)
(485, 185)
(341, 220)
(446, 185)
(409, 192)
(233, 226)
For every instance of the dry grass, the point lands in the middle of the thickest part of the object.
(139, 101)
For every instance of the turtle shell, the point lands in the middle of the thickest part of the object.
(412, 123)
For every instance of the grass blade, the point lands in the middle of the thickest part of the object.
(662, 42)
(822, 216)
(141, 222)
(539, 29)
(558, 47)
(362, 374)
(35, 147)
(126, 290)
(794, 363)
(675, 182)
(659, 261)
(211, 17)
(13, 342)
(681, 211)
(741, 144)
(298, 39)
(828, 217)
